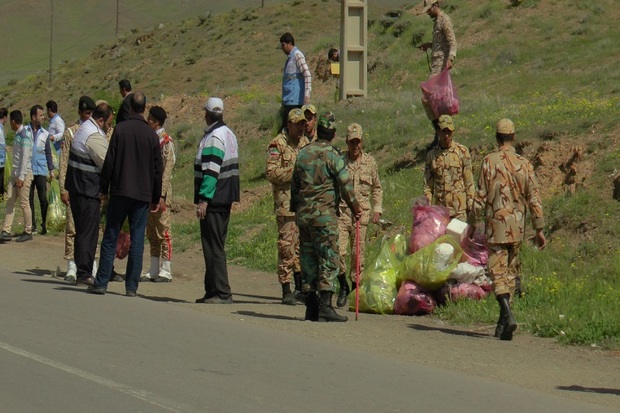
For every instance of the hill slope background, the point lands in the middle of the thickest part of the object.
(547, 64)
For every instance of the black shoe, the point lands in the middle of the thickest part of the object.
(70, 279)
(145, 279)
(326, 311)
(24, 237)
(159, 279)
(43, 230)
(287, 296)
(88, 280)
(202, 300)
(95, 290)
(299, 296)
(130, 293)
(34, 230)
(5, 236)
(117, 278)
(218, 300)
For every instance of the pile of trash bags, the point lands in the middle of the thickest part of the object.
(435, 267)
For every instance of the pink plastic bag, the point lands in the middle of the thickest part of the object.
(471, 291)
(476, 250)
(440, 93)
(413, 300)
(429, 223)
(122, 245)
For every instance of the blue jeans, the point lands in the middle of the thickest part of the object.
(119, 209)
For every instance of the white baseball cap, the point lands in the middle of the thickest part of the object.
(215, 105)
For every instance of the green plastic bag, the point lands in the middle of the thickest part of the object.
(378, 287)
(56, 211)
(429, 267)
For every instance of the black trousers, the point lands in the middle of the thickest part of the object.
(86, 217)
(213, 232)
(40, 183)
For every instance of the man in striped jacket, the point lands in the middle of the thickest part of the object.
(216, 187)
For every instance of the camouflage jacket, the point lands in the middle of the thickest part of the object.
(281, 155)
(444, 42)
(507, 185)
(320, 178)
(65, 149)
(168, 159)
(448, 179)
(364, 176)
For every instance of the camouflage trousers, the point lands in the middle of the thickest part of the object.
(69, 235)
(346, 239)
(288, 248)
(504, 267)
(318, 254)
(158, 234)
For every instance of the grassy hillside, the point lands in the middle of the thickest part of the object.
(547, 64)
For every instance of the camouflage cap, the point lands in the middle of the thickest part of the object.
(445, 122)
(296, 116)
(505, 127)
(428, 4)
(327, 120)
(309, 107)
(354, 131)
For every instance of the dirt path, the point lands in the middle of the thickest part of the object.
(527, 361)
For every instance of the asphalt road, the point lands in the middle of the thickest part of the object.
(62, 350)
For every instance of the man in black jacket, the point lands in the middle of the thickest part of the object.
(131, 174)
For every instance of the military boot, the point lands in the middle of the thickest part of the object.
(326, 311)
(341, 301)
(287, 296)
(299, 296)
(509, 325)
(499, 328)
(312, 306)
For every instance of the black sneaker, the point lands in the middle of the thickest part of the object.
(43, 230)
(34, 230)
(5, 236)
(24, 237)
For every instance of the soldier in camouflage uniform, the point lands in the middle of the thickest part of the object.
(158, 225)
(448, 179)
(363, 173)
(443, 48)
(86, 106)
(281, 155)
(506, 187)
(320, 178)
(309, 111)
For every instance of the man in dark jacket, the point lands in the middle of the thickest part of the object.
(131, 174)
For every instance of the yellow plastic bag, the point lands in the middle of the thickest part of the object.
(56, 211)
(431, 265)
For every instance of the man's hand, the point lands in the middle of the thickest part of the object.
(51, 176)
(425, 46)
(306, 100)
(64, 197)
(540, 240)
(448, 64)
(19, 184)
(376, 216)
(162, 204)
(154, 207)
(357, 211)
(201, 210)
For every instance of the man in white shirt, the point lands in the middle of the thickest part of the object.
(56, 127)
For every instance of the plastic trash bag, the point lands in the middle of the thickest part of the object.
(467, 273)
(378, 287)
(413, 300)
(476, 250)
(122, 245)
(470, 291)
(441, 95)
(56, 210)
(429, 223)
(432, 265)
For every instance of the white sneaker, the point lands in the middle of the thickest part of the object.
(71, 269)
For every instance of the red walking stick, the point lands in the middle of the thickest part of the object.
(357, 268)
